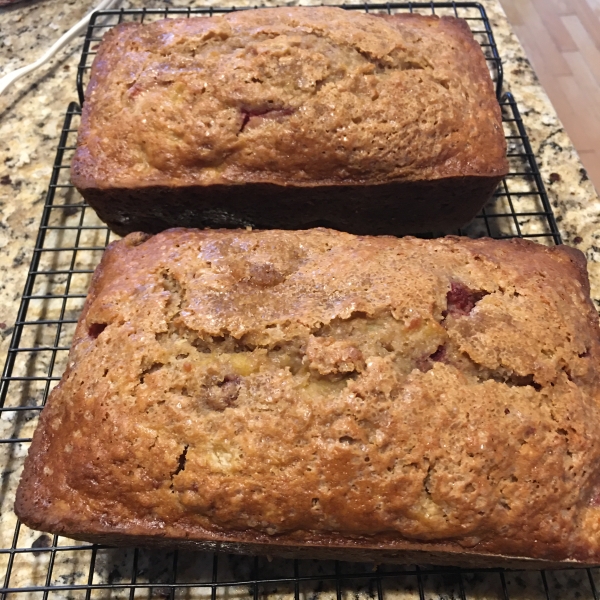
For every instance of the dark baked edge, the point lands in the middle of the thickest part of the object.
(396, 208)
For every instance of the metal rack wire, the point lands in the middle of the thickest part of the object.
(69, 245)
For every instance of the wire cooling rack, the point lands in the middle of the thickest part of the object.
(69, 245)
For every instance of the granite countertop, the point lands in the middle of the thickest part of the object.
(31, 116)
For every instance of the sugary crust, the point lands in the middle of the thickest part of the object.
(298, 98)
(320, 393)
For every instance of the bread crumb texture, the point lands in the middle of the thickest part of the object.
(302, 95)
(316, 385)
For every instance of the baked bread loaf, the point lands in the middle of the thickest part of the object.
(290, 118)
(318, 394)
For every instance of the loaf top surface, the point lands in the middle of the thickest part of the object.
(317, 387)
(302, 95)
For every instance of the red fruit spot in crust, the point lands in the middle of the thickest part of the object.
(595, 499)
(461, 300)
(96, 329)
(135, 90)
(439, 354)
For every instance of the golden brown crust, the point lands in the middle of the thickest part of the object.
(317, 389)
(301, 97)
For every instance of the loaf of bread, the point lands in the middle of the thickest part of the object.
(290, 118)
(318, 394)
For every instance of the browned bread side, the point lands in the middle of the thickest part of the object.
(314, 393)
(288, 117)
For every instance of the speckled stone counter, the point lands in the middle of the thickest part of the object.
(31, 116)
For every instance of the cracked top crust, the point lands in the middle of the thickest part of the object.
(302, 96)
(315, 387)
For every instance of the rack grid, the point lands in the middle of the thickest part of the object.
(69, 245)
